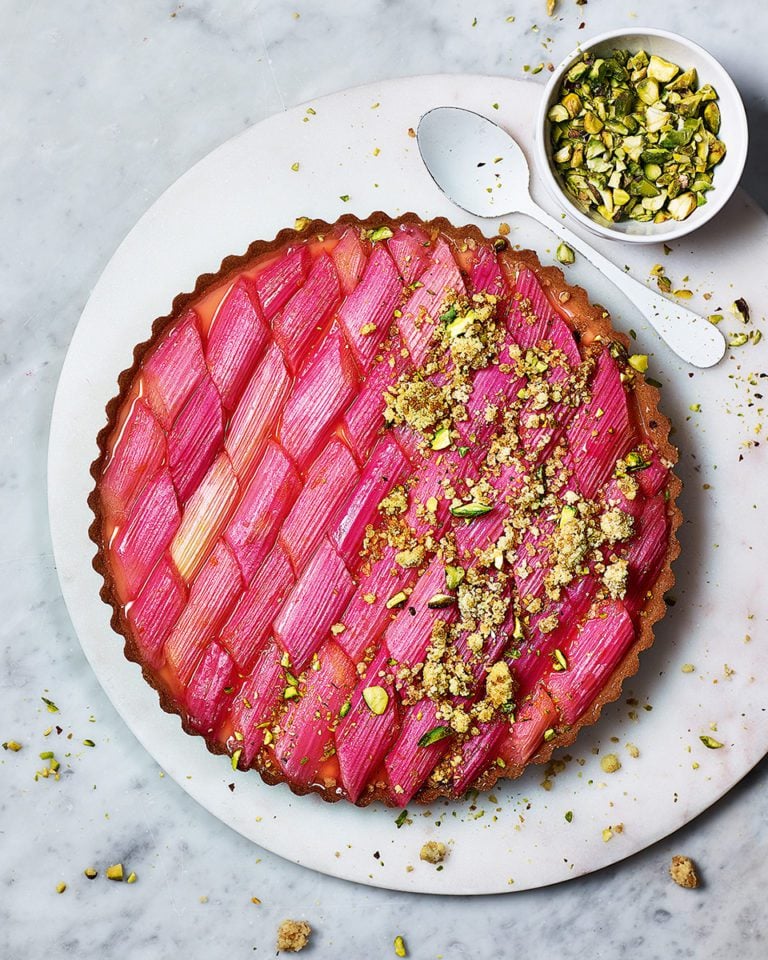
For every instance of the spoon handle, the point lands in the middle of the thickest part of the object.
(691, 336)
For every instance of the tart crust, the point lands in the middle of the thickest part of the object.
(588, 319)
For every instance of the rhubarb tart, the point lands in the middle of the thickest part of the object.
(384, 509)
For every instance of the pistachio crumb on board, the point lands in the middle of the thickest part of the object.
(293, 935)
(610, 763)
(433, 851)
(683, 872)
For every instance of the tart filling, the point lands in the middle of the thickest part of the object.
(384, 510)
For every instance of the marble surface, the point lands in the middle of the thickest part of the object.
(103, 108)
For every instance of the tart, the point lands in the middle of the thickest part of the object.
(384, 511)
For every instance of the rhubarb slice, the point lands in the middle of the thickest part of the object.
(249, 625)
(537, 715)
(363, 736)
(330, 478)
(256, 702)
(349, 259)
(137, 454)
(138, 544)
(209, 693)
(408, 763)
(324, 388)
(646, 553)
(314, 605)
(383, 471)
(278, 282)
(367, 313)
(156, 609)
(364, 420)
(305, 315)
(485, 276)
(601, 433)
(423, 310)
(236, 338)
(211, 597)
(173, 369)
(409, 636)
(195, 438)
(257, 413)
(409, 247)
(205, 515)
(255, 524)
(592, 656)
(305, 741)
(531, 313)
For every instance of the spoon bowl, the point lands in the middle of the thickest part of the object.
(482, 169)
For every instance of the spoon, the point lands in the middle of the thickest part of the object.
(481, 169)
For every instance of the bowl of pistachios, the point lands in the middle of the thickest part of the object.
(641, 136)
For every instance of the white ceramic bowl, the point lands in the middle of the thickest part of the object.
(733, 133)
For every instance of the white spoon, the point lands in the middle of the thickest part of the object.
(482, 169)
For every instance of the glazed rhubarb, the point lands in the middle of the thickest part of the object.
(384, 511)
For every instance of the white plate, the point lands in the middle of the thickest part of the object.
(246, 189)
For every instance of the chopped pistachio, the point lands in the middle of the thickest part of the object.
(740, 310)
(88, 743)
(91, 873)
(380, 233)
(301, 223)
(132, 878)
(442, 439)
(469, 511)
(610, 763)
(435, 735)
(453, 576)
(400, 950)
(295, 167)
(549, 735)
(376, 699)
(397, 600)
(61, 887)
(290, 693)
(639, 362)
(51, 706)
(344, 198)
(559, 660)
(236, 757)
(711, 742)
(345, 707)
(401, 818)
(440, 600)
(12, 745)
(564, 254)
(738, 339)
(115, 872)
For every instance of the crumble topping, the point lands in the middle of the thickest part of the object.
(683, 872)
(293, 935)
(433, 851)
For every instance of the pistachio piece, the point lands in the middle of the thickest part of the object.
(639, 362)
(469, 511)
(440, 600)
(91, 873)
(115, 872)
(380, 233)
(710, 742)
(376, 699)
(564, 254)
(399, 944)
(434, 735)
(345, 707)
(682, 206)
(397, 600)
(453, 576)
(662, 70)
(442, 439)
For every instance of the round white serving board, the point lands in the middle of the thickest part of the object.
(246, 189)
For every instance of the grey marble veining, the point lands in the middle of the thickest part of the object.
(103, 106)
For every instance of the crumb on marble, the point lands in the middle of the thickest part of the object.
(683, 872)
(293, 935)
(433, 851)
(610, 763)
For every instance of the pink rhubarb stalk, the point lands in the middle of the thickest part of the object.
(137, 545)
(194, 438)
(236, 338)
(255, 524)
(205, 516)
(306, 735)
(279, 281)
(364, 420)
(647, 550)
(330, 479)
(536, 715)
(323, 390)
(254, 420)
(362, 737)
(211, 597)
(410, 634)
(410, 250)
(592, 656)
(408, 765)
(257, 700)
(367, 313)
(249, 625)
(173, 369)
(305, 315)
(349, 259)
(137, 454)
(314, 605)
(209, 693)
(155, 610)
